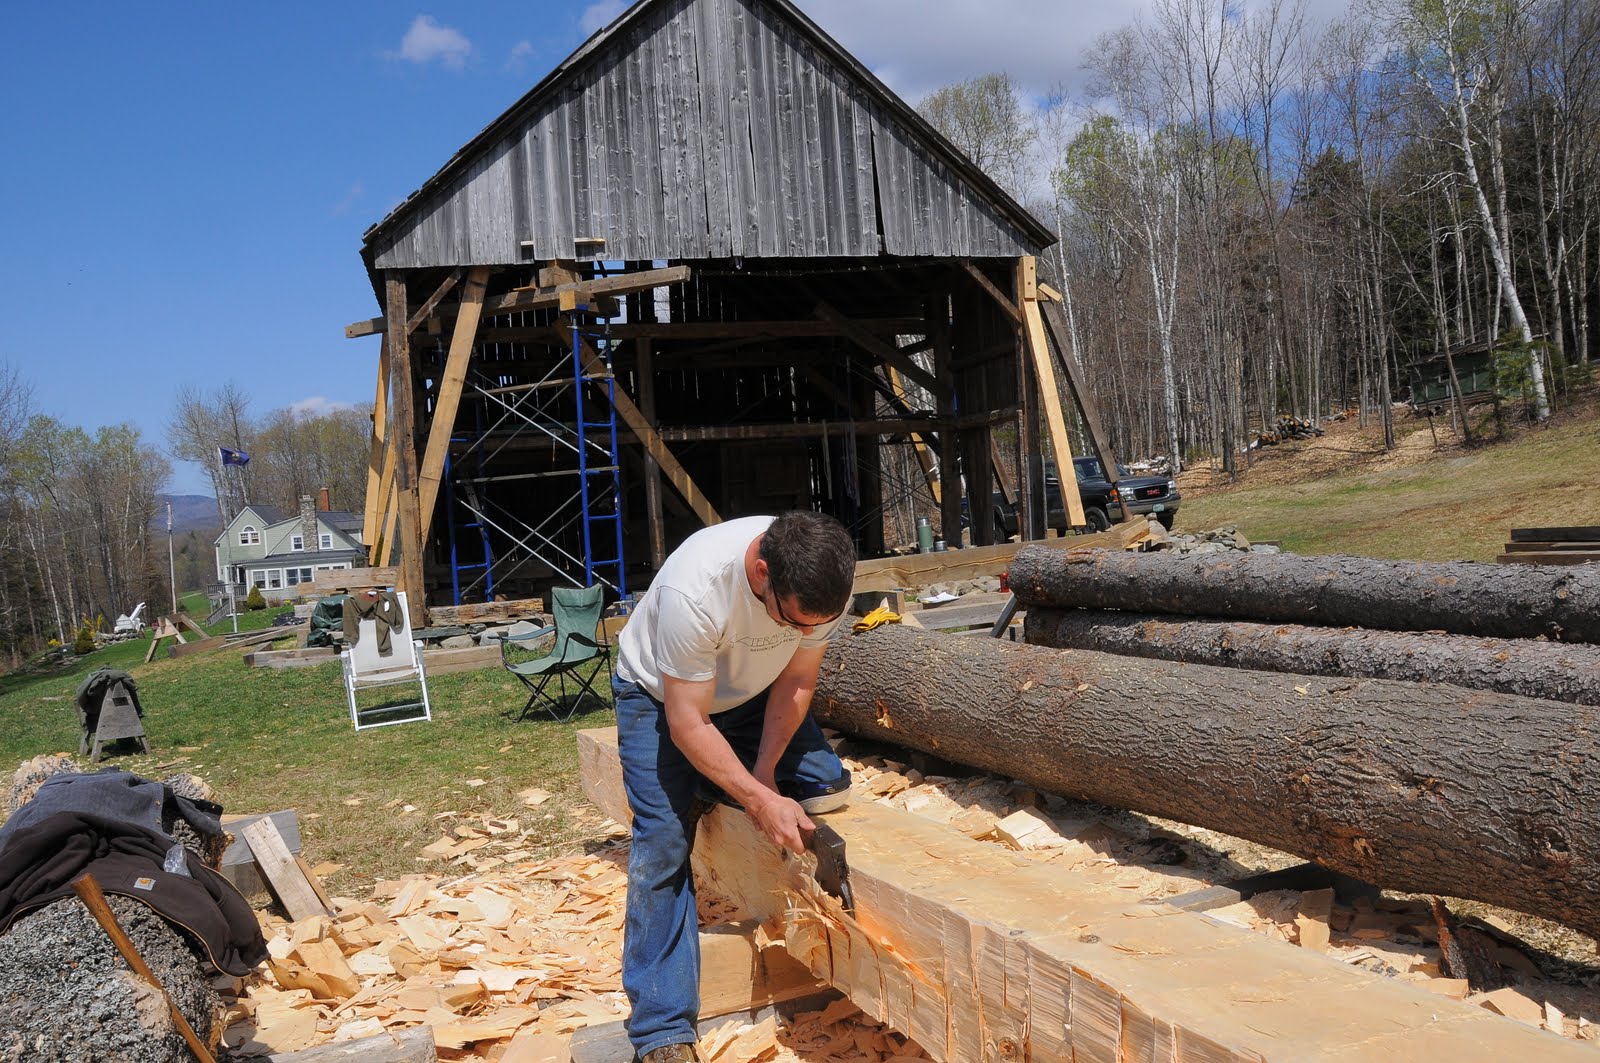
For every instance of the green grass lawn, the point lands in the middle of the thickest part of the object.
(1456, 508)
(267, 740)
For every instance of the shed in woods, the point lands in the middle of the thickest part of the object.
(704, 249)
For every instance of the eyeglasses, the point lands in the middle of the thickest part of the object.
(777, 605)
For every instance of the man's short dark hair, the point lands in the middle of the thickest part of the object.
(810, 556)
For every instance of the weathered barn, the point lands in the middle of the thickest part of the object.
(710, 246)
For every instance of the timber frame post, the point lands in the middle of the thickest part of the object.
(1049, 393)
(404, 440)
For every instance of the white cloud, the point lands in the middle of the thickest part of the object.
(317, 405)
(348, 200)
(521, 52)
(427, 41)
(598, 15)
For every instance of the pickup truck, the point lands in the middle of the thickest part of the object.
(1103, 503)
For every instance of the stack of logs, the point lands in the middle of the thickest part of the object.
(1285, 429)
(1442, 746)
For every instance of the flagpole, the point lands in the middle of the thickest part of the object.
(172, 568)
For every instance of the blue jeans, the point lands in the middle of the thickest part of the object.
(661, 935)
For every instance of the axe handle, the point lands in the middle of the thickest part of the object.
(88, 890)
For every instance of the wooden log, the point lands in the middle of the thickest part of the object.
(1463, 598)
(980, 954)
(1533, 668)
(1423, 788)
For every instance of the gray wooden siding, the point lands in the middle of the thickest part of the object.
(711, 129)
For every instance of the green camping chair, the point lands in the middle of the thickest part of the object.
(577, 616)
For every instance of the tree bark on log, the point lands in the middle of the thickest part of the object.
(1526, 667)
(1429, 789)
(1463, 598)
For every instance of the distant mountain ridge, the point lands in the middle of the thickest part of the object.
(189, 513)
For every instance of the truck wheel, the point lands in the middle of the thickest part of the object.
(1098, 521)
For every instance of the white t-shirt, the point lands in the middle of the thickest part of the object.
(700, 620)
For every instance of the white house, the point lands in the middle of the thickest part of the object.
(263, 547)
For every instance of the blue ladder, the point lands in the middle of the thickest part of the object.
(595, 525)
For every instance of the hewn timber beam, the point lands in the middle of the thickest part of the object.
(646, 433)
(1000, 297)
(550, 298)
(919, 570)
(982, 956)
(881, 348)
(449, 398)
(432, 301)
(815, 429)
(1050, 399)
(407, 537)
(713, 330)
(376, 452)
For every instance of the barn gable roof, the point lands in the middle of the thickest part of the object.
(693, 129)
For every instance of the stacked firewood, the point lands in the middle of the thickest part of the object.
(1284, 429)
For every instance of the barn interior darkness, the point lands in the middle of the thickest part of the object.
(768, 381)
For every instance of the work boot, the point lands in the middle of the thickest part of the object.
(818, 797)
(671, 1054)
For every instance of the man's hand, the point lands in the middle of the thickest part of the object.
(783, 821)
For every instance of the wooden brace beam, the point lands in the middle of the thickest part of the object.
(646, 434)
(1050, 399)
(550, 298)
(881, 348)
(444, 410)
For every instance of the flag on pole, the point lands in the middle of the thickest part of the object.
(233, 457)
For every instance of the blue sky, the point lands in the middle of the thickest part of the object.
(185, 185)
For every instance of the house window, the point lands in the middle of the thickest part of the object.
(258, 578)
(297, 576)
(297, 542)
(248, 536)
(274, 578)
(330, 568)
(325, 541)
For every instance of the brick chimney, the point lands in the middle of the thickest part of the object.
(324, 503)
(308, 522)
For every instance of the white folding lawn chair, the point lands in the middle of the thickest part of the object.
(366, 669)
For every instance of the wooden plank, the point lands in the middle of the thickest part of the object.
(411, 1045)
(377, 458)
(965, 946)
(281, 870)
(1558, 547)
(1050, 399)
(449, 398)
(919, 570)
(238, 863)
(184, 620)
(301, 658)
(440, 661)
(1550, 557)
(1556, 535)
(646, 434)
(219, 642)
(407, 536)
(344, 579)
